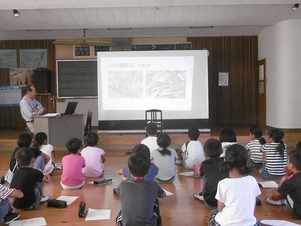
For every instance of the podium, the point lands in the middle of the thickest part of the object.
(60, 129)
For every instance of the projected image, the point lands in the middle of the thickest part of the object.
(165, 84)
(125, 84)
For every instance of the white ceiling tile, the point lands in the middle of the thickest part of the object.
(93, 18)
(175, 16)
(147, 18)
(107, 17)
(121, 17)
(134, 17)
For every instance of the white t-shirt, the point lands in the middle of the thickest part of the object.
(47, 149)
(150, 142)
(239, 196)
(195, 153)
(225, 145)
(94, 166)
(166, 163)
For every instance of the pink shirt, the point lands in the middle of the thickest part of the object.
(72, 170)
(94, 166)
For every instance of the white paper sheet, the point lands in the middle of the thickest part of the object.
(58, 165)
(278, 223)
(167, 192)
(188, 174)
(94, 214)
(68, 199)
(39, 221)
(51, 114)
(269, 184)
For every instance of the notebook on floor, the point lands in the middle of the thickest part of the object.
(70, 109)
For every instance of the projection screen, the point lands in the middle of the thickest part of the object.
(131, 82)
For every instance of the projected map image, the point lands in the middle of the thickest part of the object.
(166, 84)
(125, 84)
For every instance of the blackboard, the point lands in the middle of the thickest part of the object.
(77, 78)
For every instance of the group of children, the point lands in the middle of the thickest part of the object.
(31, 166)
(224, 166)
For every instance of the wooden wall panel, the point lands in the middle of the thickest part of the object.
(10, 117)
(235, 104)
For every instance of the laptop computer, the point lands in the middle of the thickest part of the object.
(70, 109)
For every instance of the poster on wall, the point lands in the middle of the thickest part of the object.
(8, 58)
(21, 76)
(10, 96)
(33, 58)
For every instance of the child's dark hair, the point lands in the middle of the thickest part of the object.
(193, 133)
(277, 136)
(295, 158)
(236, 157)
(73, 145)
(164, 141)
(139, 164)
(227, 135)
(257, 132)
(39, 139)
(213, 148)
(24, 156)
(142, 149)
(24, 140)
(151, 128)
(92, 139)
(298, 146)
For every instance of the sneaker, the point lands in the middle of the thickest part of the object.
(273, 202)
(44, 198)
(11, 217)
(198, 196)
(283, 202)
(178, 162)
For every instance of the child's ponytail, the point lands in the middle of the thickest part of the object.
(164, 141)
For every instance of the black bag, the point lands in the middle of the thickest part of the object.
(56, 203)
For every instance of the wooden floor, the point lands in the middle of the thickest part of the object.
(178, 209)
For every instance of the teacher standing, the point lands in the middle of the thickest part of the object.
(30, 107)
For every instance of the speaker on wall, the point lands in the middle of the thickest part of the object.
(42, 81)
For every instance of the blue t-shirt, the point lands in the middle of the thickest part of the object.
(153, 171)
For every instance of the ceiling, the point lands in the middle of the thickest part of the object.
(66, 19)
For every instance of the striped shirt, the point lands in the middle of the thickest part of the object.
(254, 147)
(274, 162)
(5, 191)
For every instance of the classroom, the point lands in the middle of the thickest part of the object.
(253, 56)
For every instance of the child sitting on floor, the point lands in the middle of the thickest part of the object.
(72, 164)
(146, 211)
(254, 147)
(290, 186)
(236, 204)
(7, 197)
(164, 157)
(151, 140)
(227, 137)
(29, 180)
(94, 157)
(192, 152)
(153, 170)
(211, 173)
(274, 156)
(40, 142)
(24, 140)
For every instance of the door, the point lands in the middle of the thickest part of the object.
(262, 93)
